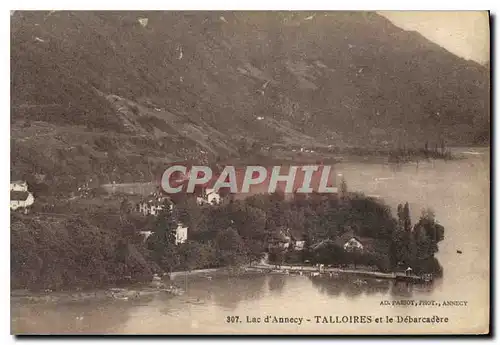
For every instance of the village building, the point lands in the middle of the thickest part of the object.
(285, 239)
(145, 234)
(299, 245)
(152, 206)
(19, 186)
(353, 244)
(20, 197)
(350, 241)
(209, 196)
(281, 239)
(181, 234)
(21, 200)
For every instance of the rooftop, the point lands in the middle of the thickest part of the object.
(18, 196)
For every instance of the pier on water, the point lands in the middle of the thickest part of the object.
(402, 277)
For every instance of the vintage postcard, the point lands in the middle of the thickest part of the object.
(250, 172)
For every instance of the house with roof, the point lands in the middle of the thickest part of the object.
(286, 238)
(209, 196)
(408, 271)
(145, 234)
(353, 244)
(19, 186)
(21, 200)
(280, 239)
(348, 241)
(181, 234)
(152, 205)
(299, 245)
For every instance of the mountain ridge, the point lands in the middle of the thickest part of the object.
(179, 83)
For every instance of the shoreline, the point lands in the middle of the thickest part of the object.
(167, 284)
(314, 270)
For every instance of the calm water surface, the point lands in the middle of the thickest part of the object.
(458, 191)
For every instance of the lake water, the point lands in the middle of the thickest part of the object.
(458, 192)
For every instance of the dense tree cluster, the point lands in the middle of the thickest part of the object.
(242, 230)
(64, 252)
(95, 244)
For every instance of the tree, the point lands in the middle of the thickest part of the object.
(249, 221)
(400, 216)
(229, 247)
(443, 147)
(402, 249)
(189, 213)
(427, 234)
(277, 255)
(162, 240)
(254, 250)
(343, 188)
(355, 255)
(259, 201)
(306, 251)
(195, 255)
(125, 209)
(330, 253)
(406, 218)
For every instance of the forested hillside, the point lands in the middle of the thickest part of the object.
(113, 95)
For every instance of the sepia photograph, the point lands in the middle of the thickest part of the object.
(250, 172)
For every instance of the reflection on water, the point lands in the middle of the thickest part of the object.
(353, 287)
(229, 291)
(222, 296)
(228, 295)
(69, 318)
(458, 191)
(276, 283)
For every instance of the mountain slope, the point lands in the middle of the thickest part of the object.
(115, 94)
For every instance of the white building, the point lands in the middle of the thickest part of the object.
(20, 199)
(19, 186)
(282, 240)
(152, 206)
(353, 244)
(209, 197)
(146, 234)
(299, 245)
(181, 234)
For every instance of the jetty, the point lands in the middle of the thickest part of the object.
(315, 270)
(426, 278)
